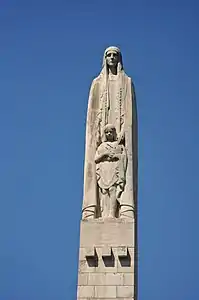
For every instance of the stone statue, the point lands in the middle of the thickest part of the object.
(111, 101)
(110, 162)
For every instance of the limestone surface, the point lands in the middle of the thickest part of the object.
(110, 168)
(107, 252)
(106, 260)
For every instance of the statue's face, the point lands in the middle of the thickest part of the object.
(112, 58)
(110, 134)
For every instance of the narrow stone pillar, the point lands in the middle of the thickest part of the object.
(106, 260)
(107, 253)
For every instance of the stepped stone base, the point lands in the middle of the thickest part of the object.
(106, 260)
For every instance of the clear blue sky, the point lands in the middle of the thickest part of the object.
(49, 53)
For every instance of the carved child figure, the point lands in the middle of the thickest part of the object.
(111, 163)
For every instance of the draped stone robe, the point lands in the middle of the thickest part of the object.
(111, 100)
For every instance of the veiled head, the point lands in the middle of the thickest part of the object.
(112, 57)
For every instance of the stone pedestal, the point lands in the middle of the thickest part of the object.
(106, 260)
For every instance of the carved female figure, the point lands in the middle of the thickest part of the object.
(111, 101)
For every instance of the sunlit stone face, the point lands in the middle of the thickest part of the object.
(112, 58)
(110, 134)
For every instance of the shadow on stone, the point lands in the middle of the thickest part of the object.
(125, 261)
(92, 260)
(109, 261)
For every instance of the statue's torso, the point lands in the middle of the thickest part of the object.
(108, 170)
(112, 96)
(108, 100)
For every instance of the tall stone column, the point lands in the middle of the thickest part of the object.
(107, 253)
(106, 260)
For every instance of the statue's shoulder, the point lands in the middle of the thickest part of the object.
(128, 78)
(97, 79)
(101, 147)
(95, 82)
(129, 81)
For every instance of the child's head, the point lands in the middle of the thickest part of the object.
(110, 133)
